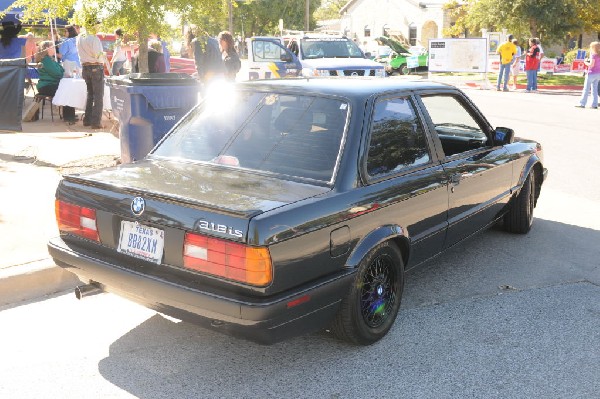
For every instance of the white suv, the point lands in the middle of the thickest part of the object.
(318, 55)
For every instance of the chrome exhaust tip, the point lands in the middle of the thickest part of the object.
(85, 290)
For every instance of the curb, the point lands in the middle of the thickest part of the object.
(544, 87)
(33, 280)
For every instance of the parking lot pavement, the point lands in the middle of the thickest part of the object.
(31, 165)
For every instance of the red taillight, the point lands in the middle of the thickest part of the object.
(76, 220)
(239, 262)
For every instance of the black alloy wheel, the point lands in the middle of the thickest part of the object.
(369, 310)
(378, 294)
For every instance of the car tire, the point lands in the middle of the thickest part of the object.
(519, 218)
(404, 70)
(370, 308)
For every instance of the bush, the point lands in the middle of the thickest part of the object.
(570, 56)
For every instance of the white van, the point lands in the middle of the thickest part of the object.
(318, 55)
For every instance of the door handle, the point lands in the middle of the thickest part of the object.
(455, 178)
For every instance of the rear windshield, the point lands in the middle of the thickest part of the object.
(286, 134)
(330, 48)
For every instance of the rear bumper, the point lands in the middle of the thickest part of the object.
(264, 321)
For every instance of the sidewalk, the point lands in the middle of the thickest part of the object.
(31, 165)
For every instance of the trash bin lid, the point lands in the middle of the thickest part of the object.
(154, 79)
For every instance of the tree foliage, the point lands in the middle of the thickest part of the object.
(261, 17)
(44, 10)
(551, 20)
(330, 9)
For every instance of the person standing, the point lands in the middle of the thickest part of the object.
(507, 51)
(207, 57)
(68, 49)
(293, 46)
(11, 46)
(538, 42)
(231, 59)
(516, 64)
(592, 77)
(92, 59)
(30, 47)
(532, 62)
(119, 55)
(165, 51)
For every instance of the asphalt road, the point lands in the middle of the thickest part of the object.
(501, 315)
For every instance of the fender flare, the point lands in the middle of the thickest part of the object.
(374, 238)
(529, 166)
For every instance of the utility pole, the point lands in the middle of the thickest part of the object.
(230, 16)
(307, 16)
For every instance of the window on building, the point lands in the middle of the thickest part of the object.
(367, 31)
(412, 34)
(386, 30)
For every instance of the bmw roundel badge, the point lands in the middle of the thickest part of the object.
(138, 205)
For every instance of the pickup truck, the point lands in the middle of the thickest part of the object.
(318, 55)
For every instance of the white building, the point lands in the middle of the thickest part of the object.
(414, 21)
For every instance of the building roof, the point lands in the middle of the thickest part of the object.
(420, 4)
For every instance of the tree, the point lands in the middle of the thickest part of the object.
(551, 20)
(330, 9)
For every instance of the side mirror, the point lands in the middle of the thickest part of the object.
(503, 135)
(367, 55)
(286, 57)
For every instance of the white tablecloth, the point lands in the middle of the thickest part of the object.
(73, 92)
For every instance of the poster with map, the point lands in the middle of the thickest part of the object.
(458, 55)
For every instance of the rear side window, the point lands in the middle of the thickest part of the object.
(397, 139)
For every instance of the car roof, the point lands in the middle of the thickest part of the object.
(347, 87)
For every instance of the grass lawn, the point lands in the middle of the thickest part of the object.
(562, 79)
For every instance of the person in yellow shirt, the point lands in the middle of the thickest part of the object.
(507, 51)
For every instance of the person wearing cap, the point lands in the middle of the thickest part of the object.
(91, 55)
(507, 51)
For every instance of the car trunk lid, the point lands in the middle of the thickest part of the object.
(213, 200)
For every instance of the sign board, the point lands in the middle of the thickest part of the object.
(458, 55)
(548, 64)
(562, 68)
(577, 66)
(412, 61)
(494, 65)
(494, 42)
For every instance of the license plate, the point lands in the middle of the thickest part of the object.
(141, 241)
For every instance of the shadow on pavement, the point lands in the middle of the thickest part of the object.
(500, 315)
